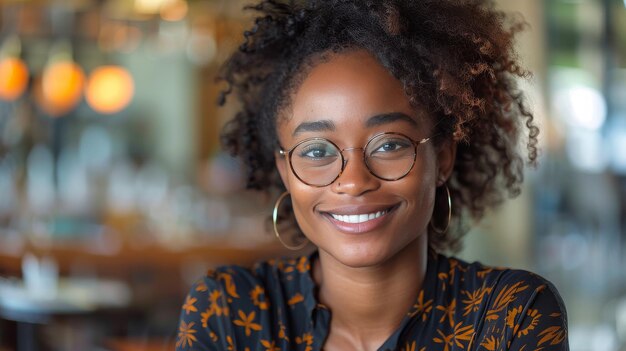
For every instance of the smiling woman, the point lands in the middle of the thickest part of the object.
(384, 122)
(355, 95)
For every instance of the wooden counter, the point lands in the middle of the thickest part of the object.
(90, 258)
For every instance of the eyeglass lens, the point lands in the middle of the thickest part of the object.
(319, 162)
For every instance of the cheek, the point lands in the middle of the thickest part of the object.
(303, 199)
(419, 190)
(420, 195)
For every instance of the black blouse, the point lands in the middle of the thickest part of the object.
(462, 306)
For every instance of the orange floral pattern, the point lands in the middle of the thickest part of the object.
(462, 306)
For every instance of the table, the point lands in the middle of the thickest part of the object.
(74, 298)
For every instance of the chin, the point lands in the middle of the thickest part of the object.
(372, 253)
(358, 256)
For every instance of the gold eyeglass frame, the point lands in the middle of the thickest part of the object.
(344, 162)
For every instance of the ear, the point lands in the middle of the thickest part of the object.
(446, 155)
(283, 168)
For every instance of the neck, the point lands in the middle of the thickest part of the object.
(369, 303)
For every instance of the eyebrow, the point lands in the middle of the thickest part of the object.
(374, 121)
(317, 126)
(386, 118)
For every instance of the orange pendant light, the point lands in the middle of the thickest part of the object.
(13, 71)
(13, 78)
(62, 82)
(109, 89)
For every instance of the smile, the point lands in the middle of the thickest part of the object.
(358, 218)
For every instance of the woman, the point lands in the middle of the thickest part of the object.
(384, 122)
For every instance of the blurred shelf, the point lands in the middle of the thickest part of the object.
(140, 345)
(124, 256)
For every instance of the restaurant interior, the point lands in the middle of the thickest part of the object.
(115, 196)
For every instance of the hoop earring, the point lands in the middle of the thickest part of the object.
(275, 222)
(442, 231)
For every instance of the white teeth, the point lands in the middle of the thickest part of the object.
(360, 218)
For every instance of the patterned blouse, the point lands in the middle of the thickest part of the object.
(462, 306)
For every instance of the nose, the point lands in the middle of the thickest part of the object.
(356, 178)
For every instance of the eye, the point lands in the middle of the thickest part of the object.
(391, 146)
(316, 150)
(315, 153)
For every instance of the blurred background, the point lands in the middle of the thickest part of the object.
(115, 196)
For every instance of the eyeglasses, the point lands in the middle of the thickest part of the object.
(319, 162)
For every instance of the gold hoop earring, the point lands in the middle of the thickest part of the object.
(441, 231)
(275, 222)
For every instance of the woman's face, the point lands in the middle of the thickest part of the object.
(348, 99)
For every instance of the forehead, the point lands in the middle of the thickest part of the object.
(347, 89)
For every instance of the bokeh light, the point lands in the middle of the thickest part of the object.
(13, 78)
(174, 11)
(62, 87)
(109, 89)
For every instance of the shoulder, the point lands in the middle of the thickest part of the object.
(235, 307)
(506, 305)
(232, 278)
(460, 276)
(255, 288)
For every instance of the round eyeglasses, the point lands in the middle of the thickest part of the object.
(319, 162)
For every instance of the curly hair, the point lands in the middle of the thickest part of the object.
(454, 58)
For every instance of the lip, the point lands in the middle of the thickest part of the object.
(357, 228)
(358, 209)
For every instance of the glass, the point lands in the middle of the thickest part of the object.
(319, 162)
